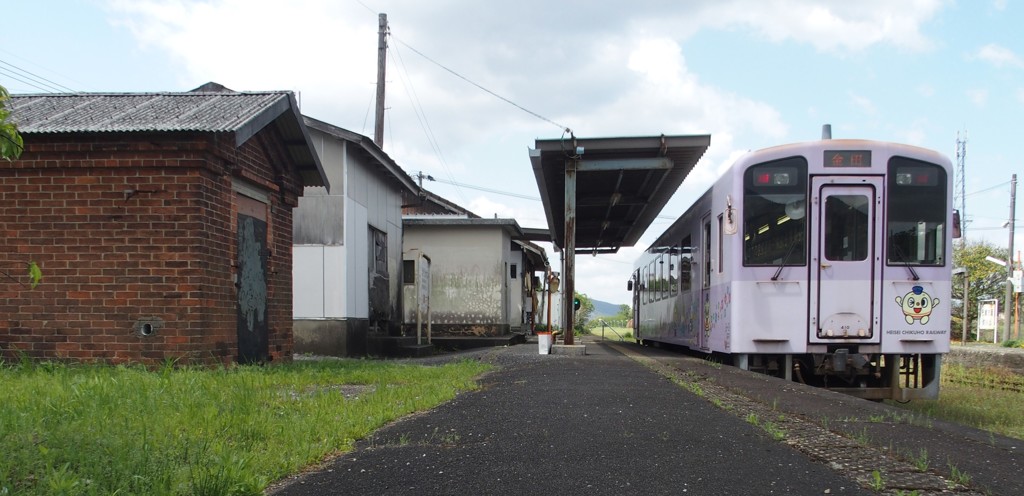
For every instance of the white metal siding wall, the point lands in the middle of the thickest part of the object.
(318, 275)
(357, 283)
(308, 282)
(383, 210)
(330, 276)
(318, 269)
(468, 276)
(513, 287)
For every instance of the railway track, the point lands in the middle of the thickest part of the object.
(1007, 383)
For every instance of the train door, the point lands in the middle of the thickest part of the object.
(635, 322)
(846, 259)
(704, 337)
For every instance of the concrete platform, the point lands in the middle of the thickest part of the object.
(987, 355)
(569, 349)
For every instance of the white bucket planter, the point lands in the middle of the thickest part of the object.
(544, 342)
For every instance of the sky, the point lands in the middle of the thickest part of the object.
(471, 85)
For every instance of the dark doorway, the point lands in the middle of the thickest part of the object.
(253, 328)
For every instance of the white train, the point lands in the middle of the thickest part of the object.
(826, 262)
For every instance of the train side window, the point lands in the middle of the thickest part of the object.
(663, 273)
(673, 268)
(686, 264)
(774, 213)
(916, 213)
(721, 250)
(656, 275)
(707, 255)
(643, 286)
(652, 284)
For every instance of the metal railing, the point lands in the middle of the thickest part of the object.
(605, 325)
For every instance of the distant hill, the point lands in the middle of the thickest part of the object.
(604, 309)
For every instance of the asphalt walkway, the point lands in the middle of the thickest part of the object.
(630, 420)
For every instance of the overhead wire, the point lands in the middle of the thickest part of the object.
(422, 117)
(32, 79)
(464, 78)
(489, 190)
(990, 188)
(19, 79)
(421, 114)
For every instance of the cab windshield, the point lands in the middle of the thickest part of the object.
(775, 213)
(916, 213)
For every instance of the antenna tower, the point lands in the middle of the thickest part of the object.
(960, 186)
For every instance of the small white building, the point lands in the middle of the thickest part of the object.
(484, 275)
(347, 246)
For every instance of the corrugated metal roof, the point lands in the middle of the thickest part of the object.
(616, 202)
(371, 152)
(134, 112)
(211, 108)
(509, 225)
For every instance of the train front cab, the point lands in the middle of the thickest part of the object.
(867, 247)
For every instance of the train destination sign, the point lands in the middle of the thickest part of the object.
(847, 158)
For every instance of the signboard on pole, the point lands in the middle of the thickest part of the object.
(988, 311)
(1015, 280)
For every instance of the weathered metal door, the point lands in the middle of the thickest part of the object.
(379, 279)
(846, 259)
(252, 325)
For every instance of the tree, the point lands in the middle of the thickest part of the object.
(625, 313)
(11, 147)
(583, 314)
(986, 280)
(11, 144)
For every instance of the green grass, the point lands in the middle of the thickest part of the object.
(126, 430)
(971, 396)
(612, 333)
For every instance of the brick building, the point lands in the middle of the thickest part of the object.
(162, 223)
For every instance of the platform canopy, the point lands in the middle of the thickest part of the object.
(621, 184)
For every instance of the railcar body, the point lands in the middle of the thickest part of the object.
(826, 262)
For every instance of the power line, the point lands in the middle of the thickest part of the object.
(489, 190)
(1000, 185)
(37, 81)
(464, 78)
(421, 115)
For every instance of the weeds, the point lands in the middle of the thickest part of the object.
(185, 430)
(972, 396)
(901, 492)
(921, 460)
(876, 481)
(956, 476)
(862, 437)
(774, 431)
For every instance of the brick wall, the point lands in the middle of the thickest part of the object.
(137, 229)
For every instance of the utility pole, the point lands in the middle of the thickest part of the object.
(420, 176)
(382, 56)
(1009, 260)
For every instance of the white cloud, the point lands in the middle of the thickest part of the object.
(487, 208)
(999, 56)
(830, 27)
(614, 70)
(864, 104)
(916, 133)
(978, 97)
